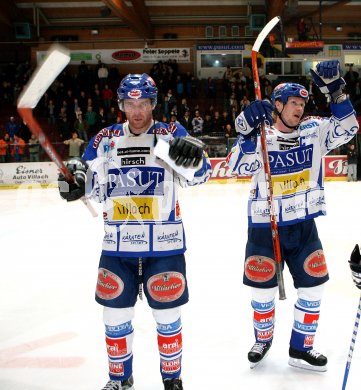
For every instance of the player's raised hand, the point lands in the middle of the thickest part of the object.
(328, 78)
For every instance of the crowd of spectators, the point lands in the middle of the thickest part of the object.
(83, 100)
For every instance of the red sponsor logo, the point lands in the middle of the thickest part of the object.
(264, 335)
(308, 341)
(135, 94)
(259, 268)
(315, 264)
(305, 44)
(303, 93)
(126, 55)
(166, 287)
(116, 369)
(105, 133)
(170, 345)
(177, 210)
(335, 166)
(116, 347)
(109, 285)
(220, 169)
(170, 366)
(172, 128)
(311, 318)
(264, 317)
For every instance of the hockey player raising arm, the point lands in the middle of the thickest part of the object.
(296, 146)
(144, 241)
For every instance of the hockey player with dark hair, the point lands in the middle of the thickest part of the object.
(144, 241)
(296, 146)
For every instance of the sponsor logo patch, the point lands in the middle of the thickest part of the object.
(109, 285)
(105, 133)
(135, 180)
(170, 345)
(166, 287)
(132, 151)
(290, 184)
(135, 209)
(116, 369)
(260, 268)
(315, 264)
(135, 93)
(116, 347)
(293, 160)
(134, 239)
(170, 366)
(177, 210)
(264, 317)
(308, 341)
(132, 161)
(311, 318)
(264, 335)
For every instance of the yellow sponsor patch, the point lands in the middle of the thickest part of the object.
(135, 209)
(290, 184)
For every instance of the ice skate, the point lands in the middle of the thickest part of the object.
(120, 385)
(173, 384)
(258, 352)
(307, 360)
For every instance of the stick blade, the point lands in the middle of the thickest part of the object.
(265, 31)
(44, 76)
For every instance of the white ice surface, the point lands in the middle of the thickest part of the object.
(51, 331)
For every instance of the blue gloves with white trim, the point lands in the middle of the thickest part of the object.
(249, 121)
(327, 77)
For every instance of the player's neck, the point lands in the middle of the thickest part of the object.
(280, 126)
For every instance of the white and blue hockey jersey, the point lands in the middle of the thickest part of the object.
(296, 166)
(138, 191)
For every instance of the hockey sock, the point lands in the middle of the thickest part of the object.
(119, 342)
(263, 304)
(169, 331)
(306, 315)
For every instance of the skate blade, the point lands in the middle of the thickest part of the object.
(254, 365)
(299, 363)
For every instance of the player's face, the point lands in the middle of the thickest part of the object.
(293, 110)
(139, 114)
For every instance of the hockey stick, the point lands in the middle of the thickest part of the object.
(267, 170)
(43, 77)
(352, 345)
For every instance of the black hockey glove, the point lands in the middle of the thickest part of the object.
(186, 151)
(75, 190)
(355, 265)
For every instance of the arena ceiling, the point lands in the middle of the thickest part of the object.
(143, 16)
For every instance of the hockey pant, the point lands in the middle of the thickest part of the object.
(119, 335)
(306, 315)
